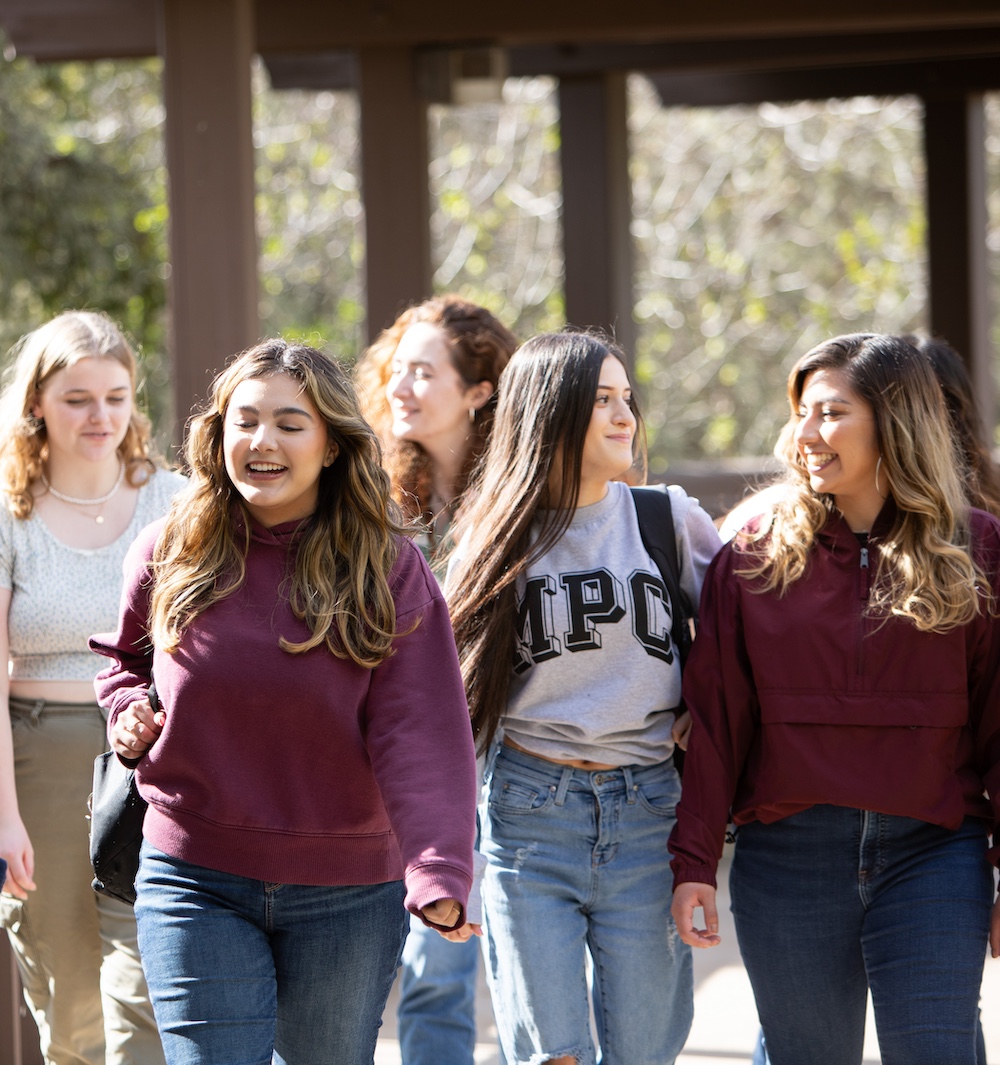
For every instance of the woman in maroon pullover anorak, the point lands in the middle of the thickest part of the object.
(845, 690)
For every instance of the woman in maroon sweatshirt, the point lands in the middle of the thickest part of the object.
(312, 768)
(845, 690)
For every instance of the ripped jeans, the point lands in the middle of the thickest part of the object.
(578, 865)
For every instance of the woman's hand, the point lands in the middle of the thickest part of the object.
(446, 912)
(136, 729)
(462, 933)
(16, 850)
(688, 898)
(681, 730)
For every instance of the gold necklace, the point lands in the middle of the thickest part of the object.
(99, 501)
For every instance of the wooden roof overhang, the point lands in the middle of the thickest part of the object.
(713, 53)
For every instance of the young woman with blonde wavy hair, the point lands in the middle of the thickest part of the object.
(311, 770)
(79, 481)
(845, 691)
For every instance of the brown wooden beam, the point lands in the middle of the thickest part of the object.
(207, 47)
(56, 30)
(728, 88)
(755, 54)
(954, 144)
(294, 25)
(597, 204)
(556, 38)
(394, 169)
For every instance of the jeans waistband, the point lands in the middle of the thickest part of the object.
(34, 708)
(565, 777)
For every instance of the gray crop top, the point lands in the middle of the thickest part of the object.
(62, 595)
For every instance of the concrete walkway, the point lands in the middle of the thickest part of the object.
(725, 1017)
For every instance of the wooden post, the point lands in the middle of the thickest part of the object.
(19, 1037)
(207, 47)
(394, 169)
(597, 204)
(955, 147)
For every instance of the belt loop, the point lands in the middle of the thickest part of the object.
(564, 780)
(630, 786)
(36, 709)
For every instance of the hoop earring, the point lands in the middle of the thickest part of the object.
(878, 466)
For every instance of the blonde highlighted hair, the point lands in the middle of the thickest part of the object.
(62, 342)
(340, 583)
(926, 572)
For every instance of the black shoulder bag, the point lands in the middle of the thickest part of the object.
(656, 527)
(116, 815)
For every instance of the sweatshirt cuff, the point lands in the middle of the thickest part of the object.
(689, 873)
(428, 883)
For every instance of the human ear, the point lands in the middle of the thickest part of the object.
(479, 394)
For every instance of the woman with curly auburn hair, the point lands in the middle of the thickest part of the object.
(311, 769)
(845, 691)
(428, 387)
(79, 481)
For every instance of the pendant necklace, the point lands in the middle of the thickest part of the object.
(96, 502)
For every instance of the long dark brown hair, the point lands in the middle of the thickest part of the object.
(546, 401)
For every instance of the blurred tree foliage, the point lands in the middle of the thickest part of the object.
(82, 210)
(494, 187)
(310, 218)
(758, 231)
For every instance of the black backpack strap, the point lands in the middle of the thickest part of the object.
(656, 527)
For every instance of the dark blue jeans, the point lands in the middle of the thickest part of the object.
(240, 970)
(833, 901)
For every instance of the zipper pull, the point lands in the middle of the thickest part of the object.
(865, 575)
(864, 558)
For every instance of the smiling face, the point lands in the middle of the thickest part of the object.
(275, 445)
(428, 398)
(838, 445)
(607, 447)
(86, 408)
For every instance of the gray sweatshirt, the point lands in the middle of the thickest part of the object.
(596, 674)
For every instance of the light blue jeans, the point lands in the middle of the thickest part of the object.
(832, 901)
(437, 1003)
(578, 863)
(243, 972)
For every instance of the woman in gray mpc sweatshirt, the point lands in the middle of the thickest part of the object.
(563, 623)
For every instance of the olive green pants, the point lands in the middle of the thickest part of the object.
(76, 950)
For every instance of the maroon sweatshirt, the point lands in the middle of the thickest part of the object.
(302, 768)
(803, 699)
